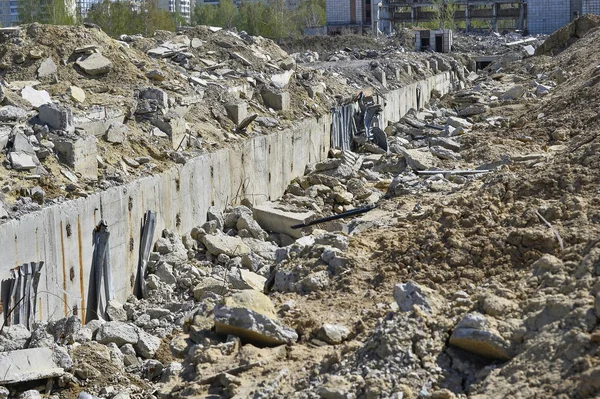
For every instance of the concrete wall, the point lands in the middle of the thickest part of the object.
(546, 16)
(259, 169)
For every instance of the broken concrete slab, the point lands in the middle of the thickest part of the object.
(271, 218)
(95, 64)
(36, 98)
(21, 144)
(10, 113)
(475, 109)
(156, 74)
(223, 244)
(28, 365)
(419, 160)
(22, 161)
(458, 122)
(118, 332)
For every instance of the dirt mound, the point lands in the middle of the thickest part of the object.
(568, 34)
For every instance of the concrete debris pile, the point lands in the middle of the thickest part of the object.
(508, 44)
(476, 276)
(91, 112)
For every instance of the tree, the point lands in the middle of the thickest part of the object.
(226, 15)
(252, 18)
(443, 13)
(205, 14)
(115, 18)
(280, 19)
(54, 12)
(311, 13)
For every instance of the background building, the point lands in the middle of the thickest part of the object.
(182, 7)
(9, 12)
(546, 16)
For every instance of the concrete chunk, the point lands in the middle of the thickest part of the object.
(95, 64)
(271, 218)
(278, 101)
(47, 68)
(80, 153)
(35, 97)
(28, 365)
(22, 161)
(57, 117)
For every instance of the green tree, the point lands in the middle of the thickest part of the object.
(115, 18)
(205, 14)
(281, 20)
(227, 14)
(253, 18)
(311, 13)
(54, 12)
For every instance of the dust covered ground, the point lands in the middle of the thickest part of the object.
(470, 286)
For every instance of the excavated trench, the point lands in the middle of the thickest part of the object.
(259, 169)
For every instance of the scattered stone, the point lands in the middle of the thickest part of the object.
(472, 334)
(116, 133)
(95, 64)
(333, 334)
(9, 113)
(118, 332)
(77, 94)
(115, 311)
(47, 68)
(228, 245)
(36, 98)
(156, 74)
(514, 93)
(408, 295)
(147, 345)
(419, 160)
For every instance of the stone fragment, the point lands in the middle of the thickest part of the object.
(228, 245)
(196, 43)
(251, 316)
(444, 153)
(281, 80)
(471, 110)
(115, 311)
(22, 161)
(95, 64)
(445, 142)
(209, 284)
(30, 394)
(80, 153)
(279, 101)
(215, 214)
(116, 133)
(333, 334)
(513, 93)
(248, 223)
(472, 334)
(156, 74)
(118, 332)
(77, 94)
(36, 98)
(419, 160)
(458, 122)
(57, 117)
(481, 342)
(152, 93)
(410, 294)
(147, 345)
(241, 279)
(10, 113)
(237, 111)
(47, 68)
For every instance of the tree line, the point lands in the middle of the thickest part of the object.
(269, 18)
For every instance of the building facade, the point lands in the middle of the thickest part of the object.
(546, 16)
(183, 7)
(9, 12)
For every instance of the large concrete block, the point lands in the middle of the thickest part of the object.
(237, 111)
(279, 101)
(174, 126)
(58, 117)
(159, 95)
(79, 152)
(271, 218)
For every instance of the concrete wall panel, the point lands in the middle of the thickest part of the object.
(61, 235)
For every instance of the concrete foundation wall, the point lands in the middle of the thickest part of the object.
(259, 169)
